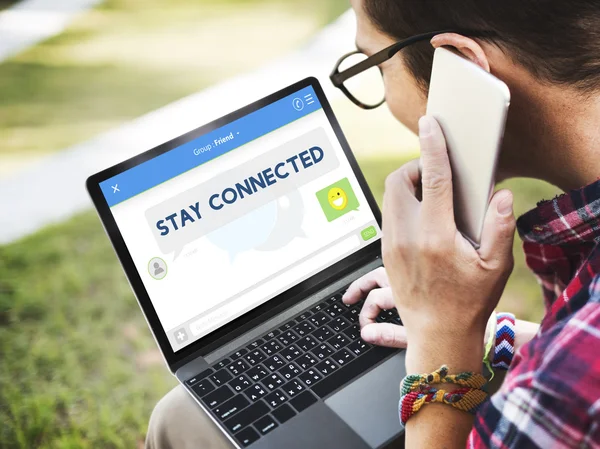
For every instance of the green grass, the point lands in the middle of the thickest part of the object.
(79, 366)
(126, 58)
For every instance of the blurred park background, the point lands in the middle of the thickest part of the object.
(78, 366)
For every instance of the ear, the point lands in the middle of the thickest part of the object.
(465, 45)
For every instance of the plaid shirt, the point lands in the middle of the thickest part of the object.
(550, 397)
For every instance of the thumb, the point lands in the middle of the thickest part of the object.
(498, 229)
(384, 334)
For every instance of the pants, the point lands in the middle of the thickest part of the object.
(177, 422)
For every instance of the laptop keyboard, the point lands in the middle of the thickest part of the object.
(256, 389)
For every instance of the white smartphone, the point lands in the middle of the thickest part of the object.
(471, 106)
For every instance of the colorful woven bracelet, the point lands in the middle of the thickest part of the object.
(488, 351)
(414, 382)
(504, 349)
(465, 399)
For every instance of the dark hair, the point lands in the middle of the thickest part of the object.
(558, 41)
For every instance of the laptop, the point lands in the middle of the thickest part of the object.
(239, 239)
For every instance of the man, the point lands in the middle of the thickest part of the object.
(548, 53)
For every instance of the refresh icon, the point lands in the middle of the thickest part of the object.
(298, 104)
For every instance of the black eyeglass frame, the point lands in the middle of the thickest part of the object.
(338, 78)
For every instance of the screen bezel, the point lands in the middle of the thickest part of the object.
(242, 324)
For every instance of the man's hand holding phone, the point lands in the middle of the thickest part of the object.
(443, 288)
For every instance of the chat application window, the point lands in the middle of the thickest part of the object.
(229, 220)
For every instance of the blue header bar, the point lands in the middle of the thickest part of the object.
(209, 146)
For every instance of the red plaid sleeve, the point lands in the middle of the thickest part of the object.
(551, 395)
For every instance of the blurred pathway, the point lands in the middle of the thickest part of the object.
(31, 21)
(53, 189)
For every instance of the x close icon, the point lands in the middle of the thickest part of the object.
(115, 188)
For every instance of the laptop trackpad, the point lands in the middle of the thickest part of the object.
(369, 405)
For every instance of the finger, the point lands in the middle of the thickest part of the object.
(360, 288)
(377, 300)
(400, 203)
(498, 229)
(436, 176)
(384, 334)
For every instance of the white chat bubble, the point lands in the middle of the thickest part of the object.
(244, 190)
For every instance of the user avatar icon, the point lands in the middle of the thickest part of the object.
(157, 268)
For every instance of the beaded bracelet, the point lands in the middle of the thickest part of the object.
(504, 349)
(465, 399)
(413, 382)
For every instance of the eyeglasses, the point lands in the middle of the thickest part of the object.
(367, 90)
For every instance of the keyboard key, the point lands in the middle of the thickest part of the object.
(331, 300)
(303, 317)
(238, 354)
(326, 367)
(276, 398)
(238, 367)
(283, 413)
(322, 351)
(291, 353)
(200, 376)
(307, 343)
(304, 328)
(323, 333)
(306, 361)
(358, 347)
(255, 392)
(218, 396)
(338, 341)
(274, 363)
(254, 357)
(310, 377)
(342, 357)
(303, 401)
(247, 436)
(271, 335)
(271, 347)
(293, 387)
(334, 310)
(273, 381)
(319, 319)
(339, 324)
(231, 407)
(222, 364)
(240, 383)
(287, 338)
(257, 373)
(221, 377)
(255, 344)
(289, 371)
(246, 416)
(265, 424)
(353, 332)
(341, 376)
(352, 315)
(203, 387)
(318, 307)
(288, 325)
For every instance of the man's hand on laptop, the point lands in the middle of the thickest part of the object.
(374, 286)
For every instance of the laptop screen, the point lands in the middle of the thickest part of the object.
(224, 222)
